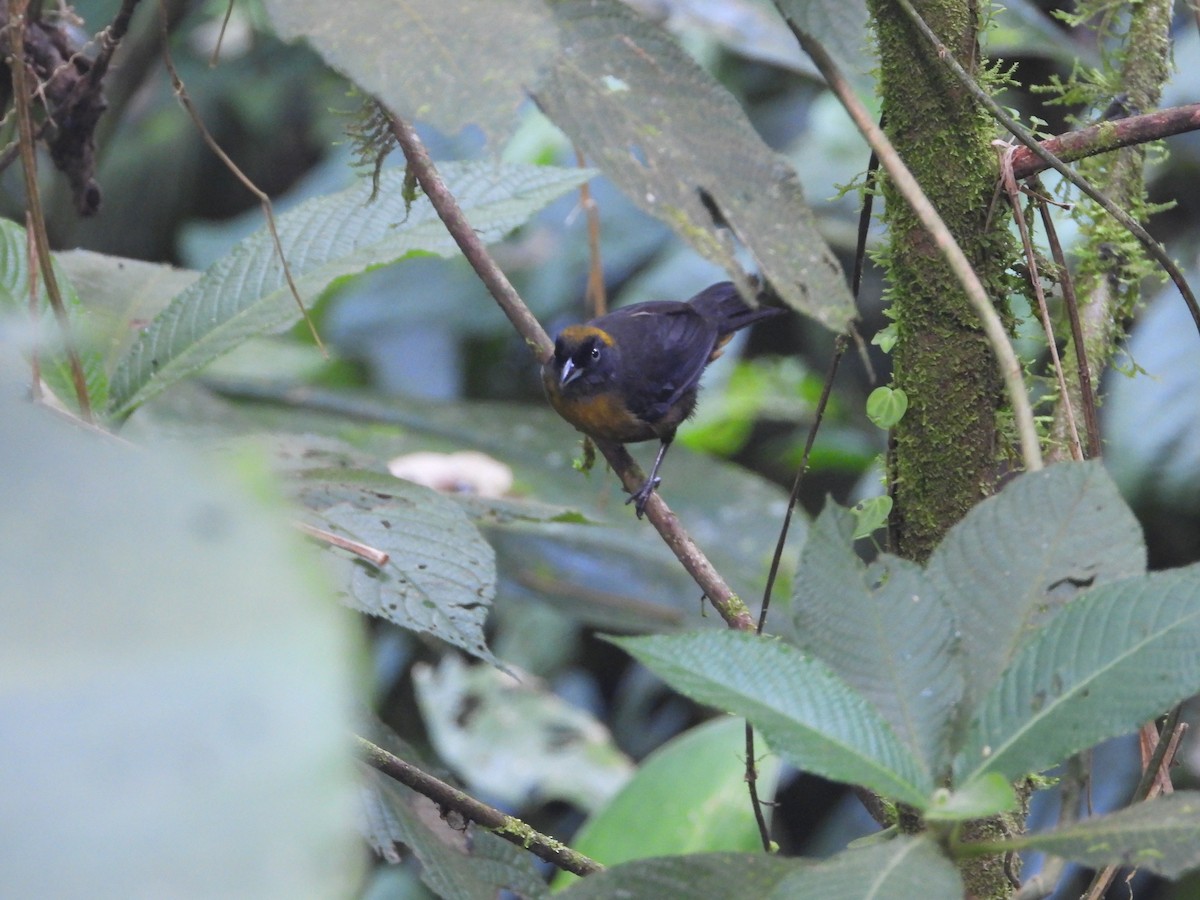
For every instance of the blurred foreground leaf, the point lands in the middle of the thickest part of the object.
(175, 679)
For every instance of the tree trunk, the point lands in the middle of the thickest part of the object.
(943, 458)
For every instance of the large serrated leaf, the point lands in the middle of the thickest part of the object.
(467, 864)
(884, 629)
(440, 576)
(244, 294)
(1016, 558)
(724, 875)
(450, 63)
(681, 147)
(907, 867)
(1161, 835)
(808, 715)
(52, 357)
(1111, 660)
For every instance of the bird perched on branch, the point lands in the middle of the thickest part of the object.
(633, 374)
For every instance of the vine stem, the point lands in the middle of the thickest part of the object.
(727, 604)
(37, 219)
(264, 201)
(1010, 366)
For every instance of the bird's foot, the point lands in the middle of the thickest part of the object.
(641, 496)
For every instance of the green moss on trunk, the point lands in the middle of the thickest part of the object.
(944, 451)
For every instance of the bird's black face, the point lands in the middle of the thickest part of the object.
(583, 360)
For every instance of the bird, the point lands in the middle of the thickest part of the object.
(634, 374)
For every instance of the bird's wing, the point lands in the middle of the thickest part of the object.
(670, 344)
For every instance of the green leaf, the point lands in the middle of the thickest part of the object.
(884, 630)
(902, 868)
(870, 515)
(1161, 835)
(244, 294)
(724, 875)
(681, 148)
(466, 864)
(886, 406)
(189, 623)
(885, 338)
(440, 576)
(1016, 558)
(1111, 660)
(688, 796)
(983, 797)
(52, 356)
(808, 715)
(450, 63)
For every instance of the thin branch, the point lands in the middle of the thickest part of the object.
(110, 39)
(35, 364)
(839, 350)
(376, 557)
(1160, 757)
(1155, 774)
(1010, 367)
(216, 54)
(1105, 136)
(724, 601)
(1087, 394)
(1021, 133)
(33, 200)
(760, 818)
(265, 201)
(597, 300)
(510, 828)
(1014, 199)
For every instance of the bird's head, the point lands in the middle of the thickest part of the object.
(584, 357)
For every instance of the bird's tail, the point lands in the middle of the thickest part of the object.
(723, 304)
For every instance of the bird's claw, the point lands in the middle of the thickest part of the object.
(641, 496)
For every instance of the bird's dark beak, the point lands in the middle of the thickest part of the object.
(570, 372)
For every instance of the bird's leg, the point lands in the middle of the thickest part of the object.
(642, 494)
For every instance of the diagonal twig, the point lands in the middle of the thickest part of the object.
(508, 827)
(730, 607)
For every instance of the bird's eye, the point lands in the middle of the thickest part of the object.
(595, 353)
